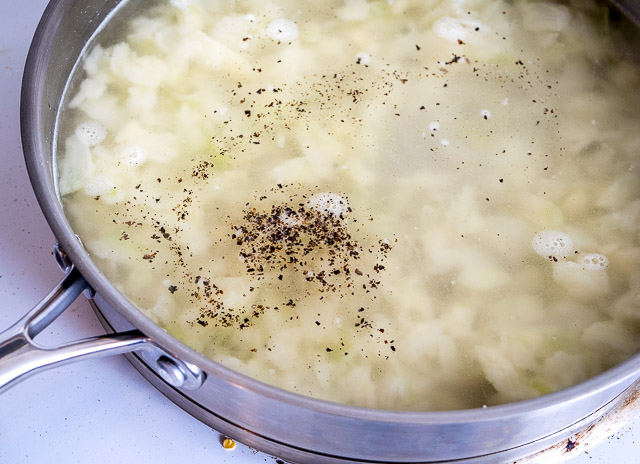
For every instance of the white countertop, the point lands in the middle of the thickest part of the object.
(102, 410)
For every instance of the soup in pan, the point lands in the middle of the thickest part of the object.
(399, 204)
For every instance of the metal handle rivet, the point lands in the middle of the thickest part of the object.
(170, 372)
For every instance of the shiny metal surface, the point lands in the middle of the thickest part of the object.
(631, 8)
(282, 423)
(21, 356)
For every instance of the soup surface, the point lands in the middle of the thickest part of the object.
(402, 204)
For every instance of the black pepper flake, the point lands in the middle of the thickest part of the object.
(288, 237)
(150, 256)
(300, 240)
(172, 289)
(453, 60)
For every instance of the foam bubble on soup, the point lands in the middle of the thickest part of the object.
(363, 58)
(552, 244)
(91, 133)
(594, 261)
(329, 203)
(181, 4)
(450, 29)
(282, 30)
(133, 156)
(103, 186)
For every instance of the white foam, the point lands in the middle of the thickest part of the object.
(486, 114)
(182, 4)
(434, 126)
(99, 184)
(450, 29)
(289, 220)
(594, 262)
(282, 30)
(552, 244)
(133, 156)
(445, 142)
(363, 58)
(329, 203)
(91, 133)
(505, 102)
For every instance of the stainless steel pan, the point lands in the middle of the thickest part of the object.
(294, 427)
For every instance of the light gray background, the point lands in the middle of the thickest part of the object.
(100, 411)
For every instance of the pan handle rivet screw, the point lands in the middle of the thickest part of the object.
(170, 372)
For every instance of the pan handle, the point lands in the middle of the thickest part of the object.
(21, 356)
